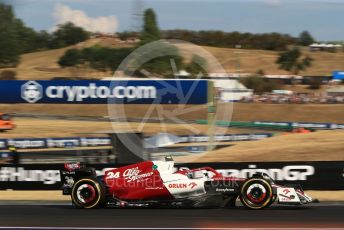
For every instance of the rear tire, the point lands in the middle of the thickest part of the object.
(88, 193)
(256, 193)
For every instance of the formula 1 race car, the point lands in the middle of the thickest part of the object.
(157, 183)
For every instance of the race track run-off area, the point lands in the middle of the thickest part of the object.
(62, 215)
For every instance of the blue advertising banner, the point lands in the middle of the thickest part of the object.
(338, 75)
(62, 142)
(27, 143)
(103, 92)
(70, 142)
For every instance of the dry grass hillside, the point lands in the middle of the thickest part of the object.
(331, 113)
(318, 146)
(101, 110)
(40, 128)
(241, 111)
(252, 60)
(43, 65)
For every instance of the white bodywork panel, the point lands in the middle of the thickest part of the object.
(186, 187)
(180, 185)
(287, 195)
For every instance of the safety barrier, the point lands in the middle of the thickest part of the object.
(249, 125)
(63, 142)
(71, 142)
(273, 125)
(311, 125)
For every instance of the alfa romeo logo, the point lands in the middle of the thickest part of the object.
(31, 91)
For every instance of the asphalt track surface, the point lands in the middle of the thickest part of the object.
(322, 215)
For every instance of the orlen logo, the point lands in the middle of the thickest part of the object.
(192, 185)
(183, 185)
(31, 91)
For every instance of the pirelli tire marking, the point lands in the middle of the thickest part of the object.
(260, 182)
(81, 203)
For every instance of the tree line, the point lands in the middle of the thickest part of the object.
(108, 59)
(16, 38)
(96, 57)
(265, 41)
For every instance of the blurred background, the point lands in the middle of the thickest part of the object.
(283, 81)
(283, 63)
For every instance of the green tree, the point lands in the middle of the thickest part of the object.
(267, 41)
(162, 65)
(259, 84)
(44, 39)
(151, 30)
(159, 65)
(197, 65)
(292, 61)
(71, 58)
(96, 57)
(27, 37)
(9, 47)
(103, 58)
(68, 34)
(305, 38)
(116, 56)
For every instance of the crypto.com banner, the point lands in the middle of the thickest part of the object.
(103, 92)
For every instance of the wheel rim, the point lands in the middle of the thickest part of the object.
(256, 193)
(86, 193)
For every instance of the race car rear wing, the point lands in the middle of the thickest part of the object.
(72, 173)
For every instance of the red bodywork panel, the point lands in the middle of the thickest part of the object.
(136, 182)
(142, 181)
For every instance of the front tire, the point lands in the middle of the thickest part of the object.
(256, 193)
(88, 193)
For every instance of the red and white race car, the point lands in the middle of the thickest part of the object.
(157, 183)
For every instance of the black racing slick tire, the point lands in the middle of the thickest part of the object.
(88, 193)
(256, 193)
